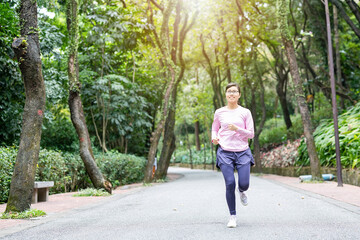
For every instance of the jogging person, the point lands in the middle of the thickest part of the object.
(232, 127)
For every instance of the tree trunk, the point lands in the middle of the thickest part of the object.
(168, 118)
(281, 78)
(159, 129)
(258, 129)
(168, 142)
(189, 146)
(258, 167)
(197, 137)
(75, 105)
(226, 50)
(163, 45)
(283, 8)
(215, 82)
(27, 51)
(281, 91)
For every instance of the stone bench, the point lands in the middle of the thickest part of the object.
(41, 191)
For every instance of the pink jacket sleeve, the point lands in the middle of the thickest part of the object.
(248, 131)
(215, 126)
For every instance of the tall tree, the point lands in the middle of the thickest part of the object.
(177, 50)
(213, 72)
(27, 51)
(75, 104)
(283, 12)
(162, 43)
(258, 128)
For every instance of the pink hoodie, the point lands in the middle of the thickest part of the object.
(229, 140)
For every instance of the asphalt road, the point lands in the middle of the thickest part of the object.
(194, 207)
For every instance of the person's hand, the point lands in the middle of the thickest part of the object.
(215, 141)
(232, 127)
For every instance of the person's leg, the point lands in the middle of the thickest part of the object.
(228, 173)
(243, 177)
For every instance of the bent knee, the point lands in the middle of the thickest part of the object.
(244, 186)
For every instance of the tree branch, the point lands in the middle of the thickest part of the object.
(354, 8)
(123, 2)
(157, 5)
(346, 17)
(240, 11)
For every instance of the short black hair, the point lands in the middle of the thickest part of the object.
(233, 85)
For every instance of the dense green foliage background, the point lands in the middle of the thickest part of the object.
(68, 171)
(349, 138)
(124, 79)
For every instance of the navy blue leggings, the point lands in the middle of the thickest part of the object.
(243, 182)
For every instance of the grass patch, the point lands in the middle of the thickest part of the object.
(161, 180)
(312, 181)
(91, 192)
(32, 213)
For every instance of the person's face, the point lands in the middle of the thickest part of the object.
(232, 95)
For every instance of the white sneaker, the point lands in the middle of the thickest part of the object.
(232, 222)
(243, 198)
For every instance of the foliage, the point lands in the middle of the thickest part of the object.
(349, 138)
(59, 133)
(275, 131)
(68, 171)
(282, 156)
(118, 102)
(12, 96)
(183, 156)
(51, 167)
(121, 68)
(7, 162)
(32, 213)
(91, 192)
(121, 169)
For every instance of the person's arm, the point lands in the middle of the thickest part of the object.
(248, 131)
(215, 129)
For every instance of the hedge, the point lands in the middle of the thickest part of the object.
(68, 171)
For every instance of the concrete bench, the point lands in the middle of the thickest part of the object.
(41, 191)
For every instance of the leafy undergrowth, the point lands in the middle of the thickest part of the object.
(32, 213)
(283, 156)
(91, 192)
(349, 140)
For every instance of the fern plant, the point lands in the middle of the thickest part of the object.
(349, 139)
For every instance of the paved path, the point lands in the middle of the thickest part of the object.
(194, 207)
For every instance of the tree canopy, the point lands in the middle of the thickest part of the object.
(144, 63)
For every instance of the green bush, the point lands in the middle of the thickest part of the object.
(121, 168)
(77, 177)
(68, 172)
(7, 162)
(275, 132)
(51, 167)
(183, 156)
(92, 192)
(349, 138)
(59, 134)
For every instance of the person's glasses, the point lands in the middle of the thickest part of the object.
(232, 92)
